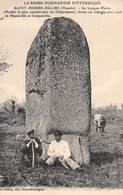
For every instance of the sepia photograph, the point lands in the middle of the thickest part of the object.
(61, 98)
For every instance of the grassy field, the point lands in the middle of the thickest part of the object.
(105, 170)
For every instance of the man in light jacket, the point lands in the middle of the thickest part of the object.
(59, 149)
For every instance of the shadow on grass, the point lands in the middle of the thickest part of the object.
(99, 158)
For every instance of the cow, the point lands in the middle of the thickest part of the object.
(100, 123)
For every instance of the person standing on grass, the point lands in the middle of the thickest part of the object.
(59, 149)
(99, 122)
(31, 149)
(97, 119)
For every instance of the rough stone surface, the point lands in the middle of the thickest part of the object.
(58, 88)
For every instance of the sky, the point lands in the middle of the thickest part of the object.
(104, 34)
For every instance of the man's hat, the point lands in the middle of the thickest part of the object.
(57, 132)
(31, 132)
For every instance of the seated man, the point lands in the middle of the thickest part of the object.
(31, 150)
(59, 149)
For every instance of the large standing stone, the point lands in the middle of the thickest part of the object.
(58, 88)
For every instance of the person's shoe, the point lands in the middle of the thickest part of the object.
(79, 169)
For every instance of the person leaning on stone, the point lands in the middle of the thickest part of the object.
(31, 149)
(59, 149)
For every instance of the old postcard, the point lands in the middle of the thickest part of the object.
(61, 99)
